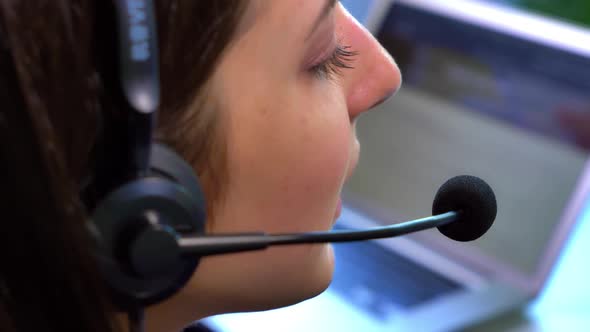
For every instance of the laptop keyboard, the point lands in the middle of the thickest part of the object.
(383, 283)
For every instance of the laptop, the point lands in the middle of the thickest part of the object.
(485, 85)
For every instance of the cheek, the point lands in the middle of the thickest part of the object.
(325, 158)
(289, 163)
(323, 142)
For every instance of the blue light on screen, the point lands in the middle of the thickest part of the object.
(563, 306)
(326, 312)
(358, 8)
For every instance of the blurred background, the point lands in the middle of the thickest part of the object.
(496, 88)
(572, 11)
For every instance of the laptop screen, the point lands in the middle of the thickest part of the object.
(476, 100)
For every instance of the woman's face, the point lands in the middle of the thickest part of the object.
(289, 110)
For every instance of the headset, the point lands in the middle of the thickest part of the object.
(149, 195)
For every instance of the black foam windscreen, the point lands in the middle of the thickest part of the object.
(476, 203)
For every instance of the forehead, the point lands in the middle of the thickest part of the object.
(283, 15)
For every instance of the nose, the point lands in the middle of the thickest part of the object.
(376, 76)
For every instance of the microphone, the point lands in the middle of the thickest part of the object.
(464, 209)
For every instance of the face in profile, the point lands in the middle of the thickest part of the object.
(289, 88)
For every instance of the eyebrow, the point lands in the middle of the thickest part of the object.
(328, 5)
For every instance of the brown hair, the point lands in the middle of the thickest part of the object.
(53, 95)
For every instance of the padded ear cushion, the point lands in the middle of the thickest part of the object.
(168, 164)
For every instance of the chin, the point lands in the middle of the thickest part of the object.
(318, 280)
(259, 281)
(282, 287)
(292, 287)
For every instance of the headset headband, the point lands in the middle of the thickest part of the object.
(139, 76)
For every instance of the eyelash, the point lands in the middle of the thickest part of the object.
(341, 58)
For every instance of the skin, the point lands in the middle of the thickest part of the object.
(291, 146)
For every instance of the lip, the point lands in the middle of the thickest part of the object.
(350, 171)
(338, 209)
(354, 159)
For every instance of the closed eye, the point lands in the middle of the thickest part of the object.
(342, 58)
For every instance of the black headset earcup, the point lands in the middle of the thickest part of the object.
(167, 163)
(177, 202)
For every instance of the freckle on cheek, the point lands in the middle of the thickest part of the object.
(264, 111)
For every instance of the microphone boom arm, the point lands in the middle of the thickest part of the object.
(212, 244)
